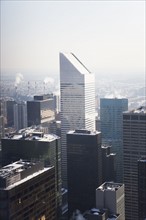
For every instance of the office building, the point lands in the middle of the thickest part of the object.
(111, 196)
(111, 119)
(10, 113)
(134, 145)
(77, 100)
(108, 164)
(41, 111)
(27, 191)
(84, 168)
(20, 115)
(142, 189)
(2, 127)
(31, 144)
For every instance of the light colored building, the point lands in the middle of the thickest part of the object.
(111, 196)
(20, 115)
(134, 146)
(77, 100)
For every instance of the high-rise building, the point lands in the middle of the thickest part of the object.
(20, 115)
(111, 119)
(134, 146)
(108, 164)
(40, 110)
(10, 112)
(142, 189)
(83, 168)
(111, 196)
(77, 100)
(31, 144)
(27, 191)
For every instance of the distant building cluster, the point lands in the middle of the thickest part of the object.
(59, 160)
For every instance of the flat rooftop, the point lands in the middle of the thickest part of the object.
(83, 132)
(140, 110)
(13, 174)
(31, 134)
(110, 186)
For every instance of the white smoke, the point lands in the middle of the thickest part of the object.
(77, 215)
(19, 78)
(49, 80)
(115, 94)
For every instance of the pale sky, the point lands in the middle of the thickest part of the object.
(107, 36)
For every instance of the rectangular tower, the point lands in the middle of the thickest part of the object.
(40, 110)
(77, 100)
(111, 196)
(134, 146)
(20, 115)
(111, 119)
(84, 168)
(142, 189)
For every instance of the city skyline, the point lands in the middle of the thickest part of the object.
(34, 32)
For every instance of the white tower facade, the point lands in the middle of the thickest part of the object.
(77, 87)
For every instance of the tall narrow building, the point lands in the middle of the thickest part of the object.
(142, 189)
(111, 119)
(20, 115)
(84, 166)
(134, 145)
(77, 100)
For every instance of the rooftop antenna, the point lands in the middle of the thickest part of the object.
(35, 87)
(28, 87)
(44, 87)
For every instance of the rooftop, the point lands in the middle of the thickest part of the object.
(110, 186)
(18, 172)
(140, 110)
(76, 63)
(31, 134)
(100, 212)
(83, 132)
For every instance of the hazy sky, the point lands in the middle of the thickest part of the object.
(107, 36)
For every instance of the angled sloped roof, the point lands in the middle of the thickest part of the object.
(76, 63)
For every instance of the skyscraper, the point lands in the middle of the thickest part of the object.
(134, 145)
(84, 166)
(111, 119)
(77, 100)
(142, 189)
(20, 115)
(40, 110)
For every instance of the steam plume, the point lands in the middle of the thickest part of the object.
(19, 78)
(49, 80)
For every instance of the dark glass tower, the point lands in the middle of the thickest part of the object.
(111, 119)
(84, 168)
(142, 189)
(40, 110)
(134, 146)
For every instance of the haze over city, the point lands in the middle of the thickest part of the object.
(108, 36)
